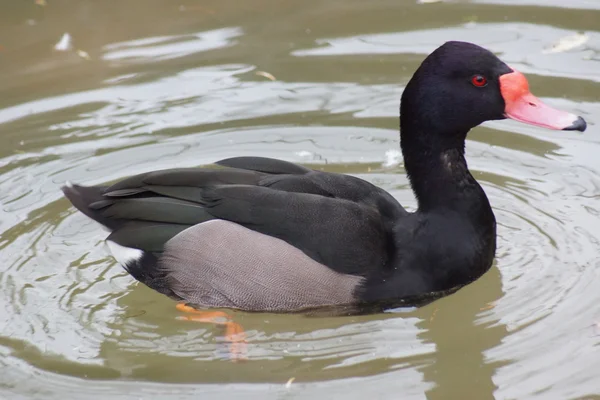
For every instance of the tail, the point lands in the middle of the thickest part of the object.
(82, 197)
(139, 260)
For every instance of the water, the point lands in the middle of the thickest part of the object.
(156, 84)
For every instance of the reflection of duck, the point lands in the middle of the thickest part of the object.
(264, 234)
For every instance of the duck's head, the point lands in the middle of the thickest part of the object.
(460, 85)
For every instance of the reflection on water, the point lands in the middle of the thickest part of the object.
(175, 85)
(166, 47)
(535, 53)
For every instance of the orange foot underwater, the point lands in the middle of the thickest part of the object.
(234, 333)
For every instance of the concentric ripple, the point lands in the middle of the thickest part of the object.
(77, 322)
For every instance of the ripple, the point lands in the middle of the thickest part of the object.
(167, 47)
(573, 4)
(524, 330)
(522, 45)
(537, 250)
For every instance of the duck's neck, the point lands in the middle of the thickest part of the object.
(438, 171)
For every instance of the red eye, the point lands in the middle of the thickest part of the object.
(479, 80)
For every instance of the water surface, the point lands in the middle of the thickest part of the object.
(155, 84)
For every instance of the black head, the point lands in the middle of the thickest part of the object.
(460, 85)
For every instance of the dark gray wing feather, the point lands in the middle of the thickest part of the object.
(148, 236)
(157, 209)
(266, 165)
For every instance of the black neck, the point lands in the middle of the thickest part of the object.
(437, 169)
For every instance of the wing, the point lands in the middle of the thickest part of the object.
(301, 179)
(337, 220)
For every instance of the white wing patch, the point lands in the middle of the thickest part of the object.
(124, 255)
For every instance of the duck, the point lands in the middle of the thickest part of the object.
(267, 235)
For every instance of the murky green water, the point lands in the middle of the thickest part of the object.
(152, 84)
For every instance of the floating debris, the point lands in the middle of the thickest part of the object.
(41, 3)
(393, 158)
(568, 43)
(65, 43)
(289, 382)
(266, 75)
(84, 55)
(429, 1)
(303, 153)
